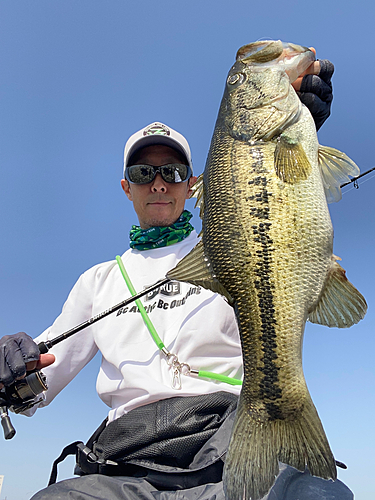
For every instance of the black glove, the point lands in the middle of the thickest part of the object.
(316, 92)
(15, 351)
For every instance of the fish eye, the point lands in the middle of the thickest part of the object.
(237, 78)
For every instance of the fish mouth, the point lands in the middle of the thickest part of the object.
(294, 58)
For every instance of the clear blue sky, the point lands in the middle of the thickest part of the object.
(76, 79)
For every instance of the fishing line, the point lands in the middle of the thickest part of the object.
(355, 179)
(356, 186)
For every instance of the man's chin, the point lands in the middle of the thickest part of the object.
(160, 221)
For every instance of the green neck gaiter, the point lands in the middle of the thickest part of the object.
(157, 237)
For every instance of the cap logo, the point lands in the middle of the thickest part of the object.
(157, 129)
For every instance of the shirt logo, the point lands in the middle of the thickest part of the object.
(169, 289)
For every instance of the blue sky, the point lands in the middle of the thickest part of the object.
(77, 78)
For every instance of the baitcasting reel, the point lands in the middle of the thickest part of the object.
(19, 397)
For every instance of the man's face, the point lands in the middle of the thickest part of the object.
(158, 203)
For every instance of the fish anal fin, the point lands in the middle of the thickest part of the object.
(291, 162)
(340, 304)
(335, 168)
(196, 268)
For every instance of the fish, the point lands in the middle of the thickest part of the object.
(267, 246)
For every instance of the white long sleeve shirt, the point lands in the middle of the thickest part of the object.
(193, 323)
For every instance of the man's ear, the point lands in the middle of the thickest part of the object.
(191, 181)
(126, 188)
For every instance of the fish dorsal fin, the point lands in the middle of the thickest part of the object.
(198, 193)
(335, 168)
(196, 268)
(291, 162)
(340, 305)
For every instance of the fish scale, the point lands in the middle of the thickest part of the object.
(256, 307)
(266, 245)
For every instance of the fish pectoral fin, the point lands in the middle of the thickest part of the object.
(335, 168)
(196, 268)
(340, 304)
(291, 162)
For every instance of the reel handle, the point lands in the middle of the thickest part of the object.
(9, 430)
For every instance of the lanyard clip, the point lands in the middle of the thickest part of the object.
(176, 378)
(177, 369)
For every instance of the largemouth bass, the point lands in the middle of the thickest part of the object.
(266, 245)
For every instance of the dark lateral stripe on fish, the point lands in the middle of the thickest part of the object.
(269, 385)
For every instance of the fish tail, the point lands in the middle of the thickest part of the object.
(257, 447)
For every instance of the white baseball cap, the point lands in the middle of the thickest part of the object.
(157, 133)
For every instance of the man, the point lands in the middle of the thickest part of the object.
(167, 429)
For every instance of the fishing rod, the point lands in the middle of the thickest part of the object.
(21, 395)
(44, 347)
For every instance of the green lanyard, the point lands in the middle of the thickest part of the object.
(172, 360)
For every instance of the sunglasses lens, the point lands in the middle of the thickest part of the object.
(143, 174)
(140, 174)
(174, 172)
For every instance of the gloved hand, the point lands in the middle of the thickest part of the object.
(15, 351)
(316, 92)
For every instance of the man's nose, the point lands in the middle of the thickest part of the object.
(158, 185)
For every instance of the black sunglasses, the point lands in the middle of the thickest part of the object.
(172, 172)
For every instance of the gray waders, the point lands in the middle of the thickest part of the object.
(172, 449)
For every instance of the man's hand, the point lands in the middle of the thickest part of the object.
(18, 355)
(314, 88)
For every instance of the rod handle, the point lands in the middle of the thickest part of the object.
(44, 347)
